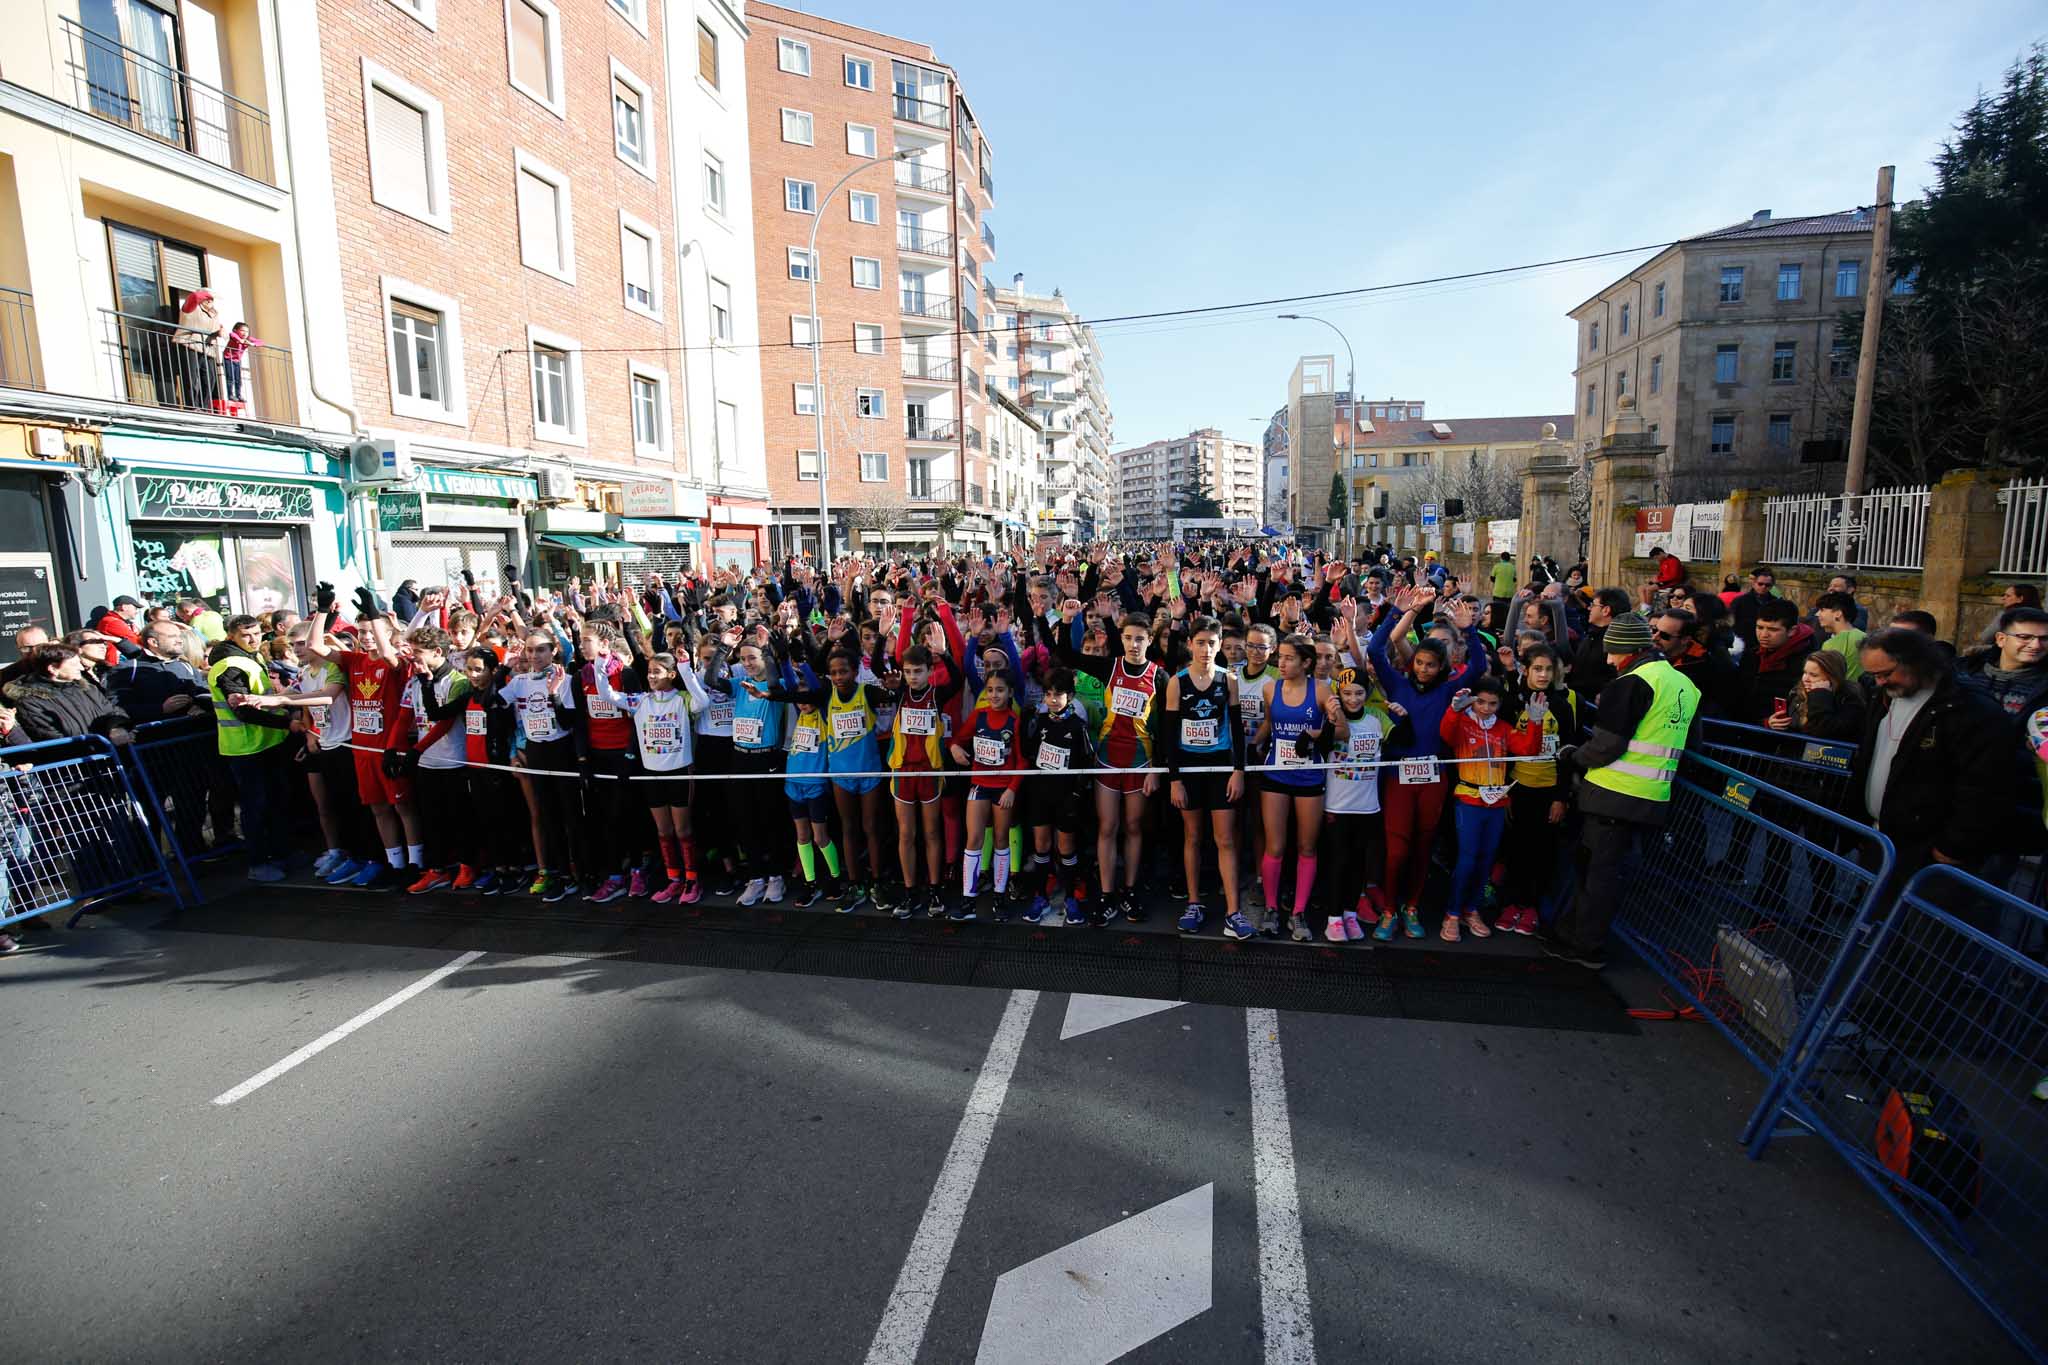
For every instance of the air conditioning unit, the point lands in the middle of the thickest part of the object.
(380, 460)
(556, 485)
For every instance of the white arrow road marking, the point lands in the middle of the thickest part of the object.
(1111, 1292)
(1087, 1013)
(903, 1324)
(1283, 1266)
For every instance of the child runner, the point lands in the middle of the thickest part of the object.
(1351, 809)
(378, 723)
(1299, 714)
(1201, 728)
(916, 749)
(757, 738)
(1537, 803)
(1131, 688)
(1481, 738)
(810, 805)
(544, 703)
(1059, 739)
(992, 750)
(661, 723)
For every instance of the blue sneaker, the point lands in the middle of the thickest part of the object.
(1037, 911)
(1238, 927)
(1075, 914)
(265, 872)
(487, 885)
(372, 874)
(327, 862)
(1191, 918)
(958, 911)
(343, 872)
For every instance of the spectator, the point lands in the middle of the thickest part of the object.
(119, 623)
(405, 602)
(2013, 670)
(1503, 588)
(1763, 587)
(1771, 666)
(158, 681)
(1826, 704)
(251, 740)
(1922, 621)
(1845, 584)
(54, 699)
(1937, 766)
(1731, 588)
(1688, 648)
(202, 618)
(1670, 569)
(1590, 668)
(2020, 595)
(1840, 631)
(198, 338)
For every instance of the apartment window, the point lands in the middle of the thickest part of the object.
(867, 272)
(546, 231)
(1731, 284)
(640, 255)
(1593, 338)
(632, 125)
(874, 466)
(1620, 383)
(1784, 362)
(721, 310)
(422, 10)
(1624, 319)
(646, 390)
(860, 73)
(1592, 398)
(408, 165)
(807, 465)
(634, 12)
(533, 30)
(867, 338)
(707, 55)
(557, 387)
(863, 207)
(714, 184)
(869, 403)
(1721, 434)
(802, 329)
(1779, 431)
(425, 353)
(1907, 283)
(1848, 279)
(1656, 374)
(796, 127)
(806, 400)
(1657, 300)
(793, 56)
(1841, 364)
(860, 139)
(801, 265)
(1789, 282)
(1727, 364)
(799, 196)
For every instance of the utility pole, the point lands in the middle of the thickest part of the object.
(1866, 361)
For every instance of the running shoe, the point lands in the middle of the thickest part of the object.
(754, 890)
(776, 890)
(1384, 932)
(1333, 929)
(1411, 922)
(266, 872)
(488, 884)
(375, 876)
(729, 884)
(935, 904)
(856, 896)
(610, 889)
(1269, 922)
(846, 890)
(809, 896)
(1075, 915)
(1108, 907)
(1133, 909)
(433, 879)
(1353, 930)
(1298, 930)
(1035, 914)
(539, 886)
(1475, 925)
(883, 896)
(561, 889)
(1377, 898)
(342, 871)
(1449, 932)
(636, 885)
(327, 862)
(1191, 918)
(693, 891)
(1238, 927)
(1018, 892)
(670, 894)
(465, 878)
(959, 911)
(904, 908)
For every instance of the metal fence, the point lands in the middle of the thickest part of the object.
(177, 769)
(2023, 549)
(72, 833)
(1816, 769)
(1887, 529)
(1924, 1075)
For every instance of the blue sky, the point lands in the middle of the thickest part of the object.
(1153, 156)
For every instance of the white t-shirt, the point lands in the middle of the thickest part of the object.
(1356, 791)
(453, 748)
(533, 706)
(1890, 731)
(330, 722)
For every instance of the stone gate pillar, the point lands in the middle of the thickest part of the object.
(1624, 478)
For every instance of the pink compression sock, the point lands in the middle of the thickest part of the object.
(1269, 877)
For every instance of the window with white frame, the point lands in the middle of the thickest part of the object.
(546, 224)
(874, 466)
(796, 127)
(721, 310)
(634, 11)
(860, 139)
(632, 120)
(806, 400)
(647, 391)
(640, 264)
(425, 352)
(407, 145)
(867, 338)
(1731, 283)
(793, 55)
(863, 207)
(803, 329)
(557, 386)
(867, 272)
(860, 73)
(1790, 281)
(869, 403)
(801, 265)
(533, 33)
(807, 465)
(714, 183)
(799, 196)
(422, 10)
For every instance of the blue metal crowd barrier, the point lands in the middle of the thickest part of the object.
(1817, 769)
(72, 832)
(1751, 903)
(1924, 1074)
(186, 783)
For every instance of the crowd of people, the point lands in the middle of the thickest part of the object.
(1290, 742)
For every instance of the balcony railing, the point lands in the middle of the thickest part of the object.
(929, 179)
(945, 491)
(938, 369)
(930, 113)
(117, 83)
(915, 429)
(973, 439)
(931, 307)
(18, 369)
(923, 243)
(156, 367)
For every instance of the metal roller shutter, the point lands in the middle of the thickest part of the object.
(435, 558)
(666, 560)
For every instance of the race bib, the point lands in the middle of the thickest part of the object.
(1128, 701)
(918, 720)
(316, 717)
(849, 724)
(1199, 734)
(473, 722)
(1417, 772)
(720, 714)
(1052, 758)
(369, 717)
(1285, 755)
(1252, 706)
(747, 730)
(803, 740)
(600, 709)
(538, 722)
(1493, 796)
(660, 735)
(989, 751)
(1365, 748)
(1549, 746)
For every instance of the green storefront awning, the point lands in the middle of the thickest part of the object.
(595, 549)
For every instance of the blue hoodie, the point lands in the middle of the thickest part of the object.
(1425, 707)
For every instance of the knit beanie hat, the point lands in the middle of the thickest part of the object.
(1627, 634)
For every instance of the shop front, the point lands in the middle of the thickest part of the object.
(239, 545)
(452, 520)
(668, 548)
(33, 580)
(738, 533)
(574, 543)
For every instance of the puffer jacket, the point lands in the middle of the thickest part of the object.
(47, 709)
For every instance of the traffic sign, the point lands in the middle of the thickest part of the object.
(1429, 514)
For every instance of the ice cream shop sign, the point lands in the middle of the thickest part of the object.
(183, 499)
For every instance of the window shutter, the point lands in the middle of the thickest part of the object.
(399, 158)
(707, 54)
(184, 271)
(539, 224)
(530, 48)
(639, 254)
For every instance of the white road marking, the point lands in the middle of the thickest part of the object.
(1087, 1013)
(1112, 1291)
(333, 1036)
(903, 1324)
(1283, 1266)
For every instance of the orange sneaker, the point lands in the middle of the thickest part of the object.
(465, 878)
(1476, 925)
(1449, 933)
(433, 879)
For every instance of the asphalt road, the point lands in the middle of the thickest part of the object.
(549, 1157)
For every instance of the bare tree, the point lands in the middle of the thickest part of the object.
(880, 516)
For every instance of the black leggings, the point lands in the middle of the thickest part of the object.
(1350, 856)
(612, 832)
(1531, 845)
(557, 804)
(762, 812)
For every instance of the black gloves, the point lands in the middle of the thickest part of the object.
(511, 574)
(366, 605)
(399, 762)
(323, 598)
(468, 579)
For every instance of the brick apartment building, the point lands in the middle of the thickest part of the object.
(903, 251)
(1153, 480)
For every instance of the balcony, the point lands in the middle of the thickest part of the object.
(18, 368)
(935, 180)
(123, 85)
(945, 491)
(973, 438)
(924, 429)
(930, 308)
(919, 242)
(935, 369)
(924, 113)
(155, 368)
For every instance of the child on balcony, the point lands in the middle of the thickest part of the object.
(236, 346)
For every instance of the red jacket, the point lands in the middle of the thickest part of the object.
(1481, 752)
(112, 624)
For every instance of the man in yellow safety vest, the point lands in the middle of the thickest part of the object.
(1648, 716)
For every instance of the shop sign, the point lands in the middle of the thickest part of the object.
(1670, 527)
(166, 498)
(650, 498)
(661, 532)
(401, 512)
(475, 483)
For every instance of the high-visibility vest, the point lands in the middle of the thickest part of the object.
(1646, 768)
(238, 737)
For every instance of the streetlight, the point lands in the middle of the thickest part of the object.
(1350, 379)
(818, 352)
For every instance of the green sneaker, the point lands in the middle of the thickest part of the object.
(540, 884)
